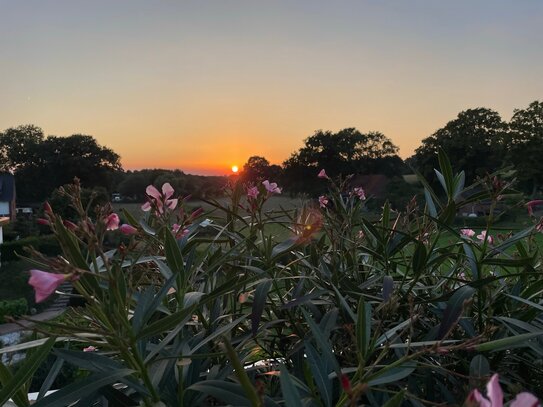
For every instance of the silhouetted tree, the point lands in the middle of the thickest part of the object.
(346, 152)
(258, 169)
(525, 145)
(474, 142)
(42, 164)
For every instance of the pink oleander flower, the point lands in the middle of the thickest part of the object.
(42, 221)
(495, 396)
(360, 193)
(467, 232)
(127, 229)
(160, 200)
(112, 222)
(70, 225)
(322, 174)
(530, 205)
(45, 283)
(47, 208)
(483, 236)
(90, 349)
(176, 230)
(345, 383)
(323, 201)
(196, 213)
(272, 188)
(252, 192)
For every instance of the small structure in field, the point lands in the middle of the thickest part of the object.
(7, 196)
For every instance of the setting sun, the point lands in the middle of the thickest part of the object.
(235, 169)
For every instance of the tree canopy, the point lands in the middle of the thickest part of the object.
(42, 164)
(474, 142)
(257, 168)
(525, 145)
(343, 153)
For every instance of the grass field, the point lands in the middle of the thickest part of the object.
(275, 203)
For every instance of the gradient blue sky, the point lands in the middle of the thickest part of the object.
(203, 85)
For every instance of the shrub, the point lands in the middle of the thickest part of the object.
(12, 308)
(345, 311)
(47, 245)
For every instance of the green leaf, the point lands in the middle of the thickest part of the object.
(69, 244)
(391, 333)
(391, 375)
(51, 376)
(459, 182)
(260, 296)
(246, 384)
(20, 397)
(82, 388)
(396, 400)
(284, 247)
(472, 261)
(454, 309)
(446, 170)
(363, 327)
(290, 393)
(323, 343)
(479, 367)
(25, 371)
(507, 343)
(95, 362)
(317, 365)
(228, 392)
(173, 254)
(430, 203)
(218, 332)
(527, 302)
(344, 304)
(419, 259)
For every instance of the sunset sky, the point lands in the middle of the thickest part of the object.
(203, 85)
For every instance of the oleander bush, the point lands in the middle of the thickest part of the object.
(407, 310)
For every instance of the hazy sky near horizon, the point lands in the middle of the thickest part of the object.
(203, 85)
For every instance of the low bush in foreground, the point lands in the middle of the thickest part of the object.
(12, 308)
(409, 310)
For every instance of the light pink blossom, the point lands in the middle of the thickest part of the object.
(272, 188)
(176, 230)
(90, 349)
(495, 396)
(322, 174)
(467, 232)
(45, 283)
(159, 199)
(112, 222)
(127, 229)
(323, 201)
(360, 193)
(483, 236)
(252, 192)
(70, 225)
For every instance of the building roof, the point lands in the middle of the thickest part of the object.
(7, 188)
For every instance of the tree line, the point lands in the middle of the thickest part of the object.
(477, 141)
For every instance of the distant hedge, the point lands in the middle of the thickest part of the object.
(12, 308)
(44, 244)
